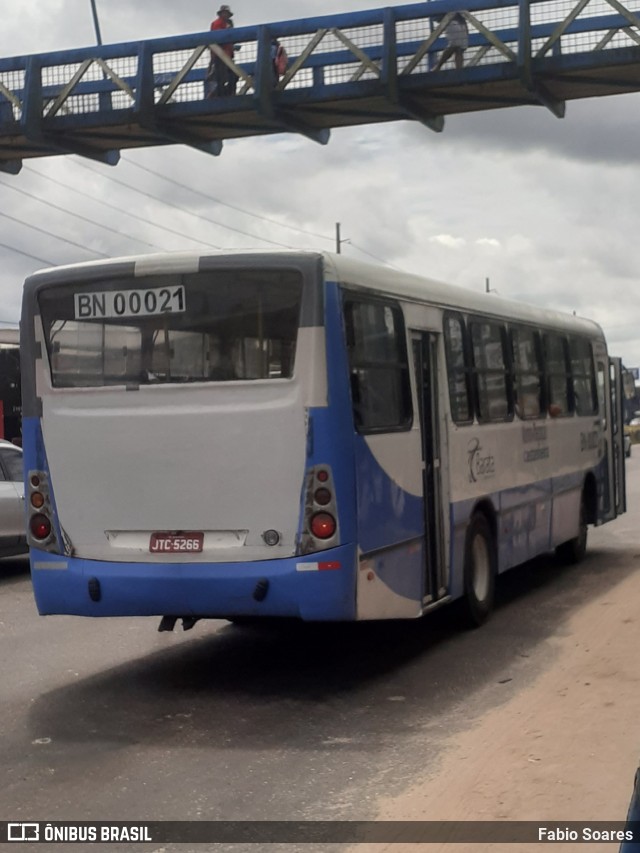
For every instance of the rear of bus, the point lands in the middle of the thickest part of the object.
(181, 416)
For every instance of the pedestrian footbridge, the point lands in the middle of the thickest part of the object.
(344, 70)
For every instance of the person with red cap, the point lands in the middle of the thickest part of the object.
(221, 79)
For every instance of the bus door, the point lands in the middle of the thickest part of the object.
(612, 499)
(617, 498)
(425, 362)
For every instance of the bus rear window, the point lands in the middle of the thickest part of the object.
(217, 326)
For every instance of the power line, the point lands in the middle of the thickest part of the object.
(185, 209)
(169, 204)
(50, 234)
(77, 215)
(225, 203)
(28, 255)
(120, 210)
(250, 213)
(375, 257)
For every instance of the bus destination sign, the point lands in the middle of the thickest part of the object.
(129, 303)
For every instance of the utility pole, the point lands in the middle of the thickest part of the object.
(96, 23)
(487, 289)
(339, 240)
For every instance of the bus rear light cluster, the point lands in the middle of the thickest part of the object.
(40, 521)
(319, 525)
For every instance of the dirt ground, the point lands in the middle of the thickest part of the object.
(566, 748)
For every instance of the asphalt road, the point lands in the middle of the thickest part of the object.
(110, 720)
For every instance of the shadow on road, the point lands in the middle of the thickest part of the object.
(13, 567)
(329, 687)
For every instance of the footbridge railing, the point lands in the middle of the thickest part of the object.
(347, 69)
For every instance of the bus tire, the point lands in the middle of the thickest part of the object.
(573, 551)
(479, 570)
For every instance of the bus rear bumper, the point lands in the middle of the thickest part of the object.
(314, 587)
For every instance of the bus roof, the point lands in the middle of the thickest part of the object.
(455, 297)
(338, 267)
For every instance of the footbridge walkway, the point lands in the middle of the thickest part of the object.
(347, 69)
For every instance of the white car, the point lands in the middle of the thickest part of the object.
(13, 539)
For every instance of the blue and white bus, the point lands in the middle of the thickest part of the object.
(297, 434)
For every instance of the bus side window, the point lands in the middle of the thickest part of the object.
(558, 373)
(378, 366)
(583, 375)
(528, 374)
(458, 369)
(602, 390)
(490, 371)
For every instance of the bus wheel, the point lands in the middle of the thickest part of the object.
(573, 551)
(479, 570)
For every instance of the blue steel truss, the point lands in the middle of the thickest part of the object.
(347, 69)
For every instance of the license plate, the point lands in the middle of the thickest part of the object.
(176, 543)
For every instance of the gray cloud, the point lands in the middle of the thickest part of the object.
(596, 130)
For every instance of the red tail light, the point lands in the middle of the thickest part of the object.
(323, 525)
(40, 526)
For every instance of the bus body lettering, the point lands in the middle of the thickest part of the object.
(90, 305)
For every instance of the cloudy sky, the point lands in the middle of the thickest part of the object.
(547, 209)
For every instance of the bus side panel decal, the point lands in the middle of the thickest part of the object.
(391, 525)
(531, 519)
(387, 514)
(390, 583)
(567, 493)
(525, 523)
